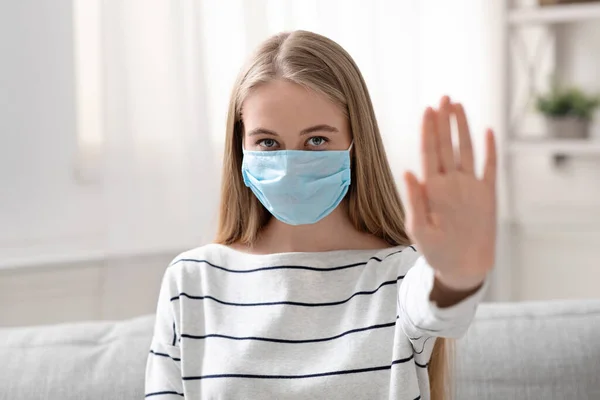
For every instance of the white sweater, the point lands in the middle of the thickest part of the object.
(352, 324)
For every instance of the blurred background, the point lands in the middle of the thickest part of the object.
(112, 117)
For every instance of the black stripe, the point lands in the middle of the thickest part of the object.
(421, 365)
(418, 397)
(174, 334)
(246, 271)
(302, 267)
(289, 303)
(165, 392)
(290, 340)
(402, 360)
(343, 372)
(422, 348)
(391, 254)
(164, 355)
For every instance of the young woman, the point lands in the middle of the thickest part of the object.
(313, 289)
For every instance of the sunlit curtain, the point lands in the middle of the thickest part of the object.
(160, 182)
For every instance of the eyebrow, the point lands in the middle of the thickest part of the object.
(316, 128)
(259, 131)
(319, 128)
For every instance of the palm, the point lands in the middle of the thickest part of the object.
(452, 213)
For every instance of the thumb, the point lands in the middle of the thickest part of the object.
(416, 221)
(489, 174)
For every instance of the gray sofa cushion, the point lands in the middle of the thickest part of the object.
(92, 360)
(535, 350)
(547, 350)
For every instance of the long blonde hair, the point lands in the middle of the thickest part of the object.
(320, 64)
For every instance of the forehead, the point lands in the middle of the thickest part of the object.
(282, 102)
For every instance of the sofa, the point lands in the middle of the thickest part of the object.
(533, 350)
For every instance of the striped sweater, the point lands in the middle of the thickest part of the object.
(351, 324)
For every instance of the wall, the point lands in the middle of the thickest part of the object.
(109, 289)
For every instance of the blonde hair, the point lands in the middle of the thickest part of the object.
(374, 206)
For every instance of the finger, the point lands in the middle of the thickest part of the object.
(467, 160)
(446, 152)
(429, 157)
(489, 173)
(417, 210)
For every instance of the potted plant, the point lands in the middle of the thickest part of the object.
(568, 112)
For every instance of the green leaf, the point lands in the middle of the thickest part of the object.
(565, 102)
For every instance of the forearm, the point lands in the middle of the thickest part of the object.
(430, 308)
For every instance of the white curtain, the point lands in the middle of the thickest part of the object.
(160, 182)
(170, 66)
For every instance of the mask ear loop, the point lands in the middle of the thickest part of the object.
(350, 152)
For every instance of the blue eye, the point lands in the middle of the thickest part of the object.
(267, 143)
(317, 141)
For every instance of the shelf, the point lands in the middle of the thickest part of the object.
(554, 14)
(571, 147)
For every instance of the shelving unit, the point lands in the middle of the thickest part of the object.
(516, 142)
(554, 14)
(526, 54)
(567, 147)
(547, 16)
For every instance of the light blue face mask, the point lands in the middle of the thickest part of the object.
(298, 187)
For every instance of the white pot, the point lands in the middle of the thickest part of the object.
(567, 127)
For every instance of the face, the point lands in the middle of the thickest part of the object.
(281, 115)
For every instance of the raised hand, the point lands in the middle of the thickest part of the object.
(451, 212)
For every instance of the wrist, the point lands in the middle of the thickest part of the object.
(445, 295)
(460, 283)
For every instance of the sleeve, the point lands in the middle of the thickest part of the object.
(421, 318)
(163, 368)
